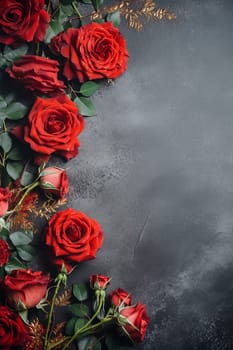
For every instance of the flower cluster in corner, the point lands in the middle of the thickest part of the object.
(52, 60)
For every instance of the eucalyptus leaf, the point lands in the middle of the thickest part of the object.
(79, 310)
(5, 141)
(15, 154)
(69, 328)
(4, 234)
(85, 106)
(53, 29)
(26, 252)
(14, 169)
(20, 238)
(80, 322)
(97, 4)
(9, 55)
(16, 110)
(13, 264)
(115, 18)
(27, 178)
(89, 343)
(89, 88)
(80, 291)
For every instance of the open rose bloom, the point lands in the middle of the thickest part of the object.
(22, 20)
(93, 51)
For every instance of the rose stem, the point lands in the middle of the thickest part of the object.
(59, 281)
(87, 326)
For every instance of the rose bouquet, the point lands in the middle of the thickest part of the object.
(52, 60)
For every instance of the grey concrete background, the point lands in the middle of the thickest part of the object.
(156, 170)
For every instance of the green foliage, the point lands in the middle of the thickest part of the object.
(97, 4)
(18, 238)
(115, 18)
(89, 88)
(53, 29)
(89, 343)
(25, 252)
(80, 291)
(5, 141)
(9, 55)
(11, 109)
(85, 106)
(79, 310)
(14, 169)
(14, 263)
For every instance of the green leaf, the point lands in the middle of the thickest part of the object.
(27, 178)
(15, 111)
(5, 141)
(4, 234)
(87, 1)
(115, 18)
(79, 310)
(9, 55)
(89, 343)
(13, 264)
(19, 238)
(85, 106)
(89, 88)
(53, 29)
(15, 154)
(24, 315)
(80, 322)
(3, 103)
(26, 252)
(14, 169)
(69, 328)
(80, 291)
(2, 272)
(97, 4)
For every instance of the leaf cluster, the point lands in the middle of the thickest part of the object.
(21, 249)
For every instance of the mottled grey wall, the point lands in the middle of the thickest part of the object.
(156, 169)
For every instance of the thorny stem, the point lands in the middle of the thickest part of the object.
(51, 310)
(76, 9)
(86, 326)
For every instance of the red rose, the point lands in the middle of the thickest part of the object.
(94, 51)
(73, 237)
(135, 321)
(25, 286)
(5, 194)
(4, 252)
(37, 74)
(12, 329)
(120, 297)
(99, 281)
(22, 20)
(54, 180)
(53, 127)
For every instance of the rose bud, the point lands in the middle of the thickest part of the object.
(4, 252)
(25, 287)
(120, 297)
(5, 194)
(134, 321)
(99, 281)
(54, 180)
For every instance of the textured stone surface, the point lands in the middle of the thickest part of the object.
(156, 169)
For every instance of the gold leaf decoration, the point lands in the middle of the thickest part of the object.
(36, 332)
(64, 299)
(48, 208)
(136, 12)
